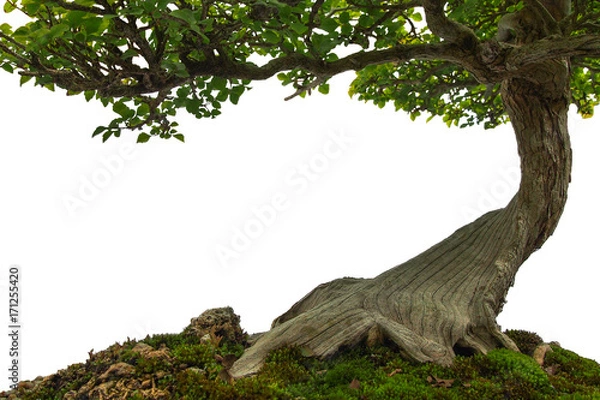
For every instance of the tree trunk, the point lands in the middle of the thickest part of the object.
(445, 301)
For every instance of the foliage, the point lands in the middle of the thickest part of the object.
(148, 59)
(437, 88)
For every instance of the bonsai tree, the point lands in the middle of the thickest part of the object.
(469, 62)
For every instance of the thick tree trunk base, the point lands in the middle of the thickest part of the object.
(433, 307)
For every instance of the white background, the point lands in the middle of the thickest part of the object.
(140, 257)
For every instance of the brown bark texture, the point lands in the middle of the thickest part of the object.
(445, 301)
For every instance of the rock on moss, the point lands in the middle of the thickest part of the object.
(217, 323)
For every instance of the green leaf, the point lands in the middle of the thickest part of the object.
(218, 83)
(417, 17)
(99, 130)
(366, 21)
(324, 88)
(299, 28)
(93, 25)
(9, 6)
(234, 98)
(271, 36)
(185, 14)
(143, 138)
(329, 25)
(74, 18)
(347, 29)
(123, 110)
(222, 95)
(58, 30)
(24, 79)
(345, 17)
(283, 77)
(323, 43)
(129, 53)
(88, 94)
(6, 29)
(8, 68)
(107, 135)
(143, 109)
(179, 137)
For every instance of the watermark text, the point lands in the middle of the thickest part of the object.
(297, 181)
(14, 325)
(100, 178)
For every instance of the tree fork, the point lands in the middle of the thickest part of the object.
(445, 301)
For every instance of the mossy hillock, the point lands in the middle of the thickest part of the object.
(194, 367)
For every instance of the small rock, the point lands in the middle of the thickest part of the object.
(147, 384)
(205, 339)
(196, 370)
(155, 394)
(142, 348)
(102, 391)
(148, 351)
(26, 385)
(118, 370)
(70, 395)
(552, 370)
(161, 374)
(225, 376)
(539, 354)
(219, 322)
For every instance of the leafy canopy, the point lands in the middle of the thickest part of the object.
(147, 59)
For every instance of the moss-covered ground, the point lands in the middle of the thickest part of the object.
(184, 367)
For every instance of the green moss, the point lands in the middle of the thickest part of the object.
(191, 372)
(526, 341)
(197, 355)
(572, 374)
(170, 340)
(149, 366)
(508, 365)
(400, 386)
(285, 365)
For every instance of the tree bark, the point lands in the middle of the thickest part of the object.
(445, 301)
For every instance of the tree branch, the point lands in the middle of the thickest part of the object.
(78, 7)
(225, 68)
(446, 28)
(552, 47)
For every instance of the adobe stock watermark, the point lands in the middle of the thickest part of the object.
(14, 325)
(496, 195)
(100, 178)
(297, 181)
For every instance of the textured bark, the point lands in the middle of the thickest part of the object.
(445, 301)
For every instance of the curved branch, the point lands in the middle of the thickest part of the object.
(446, 28)
(353, 62)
